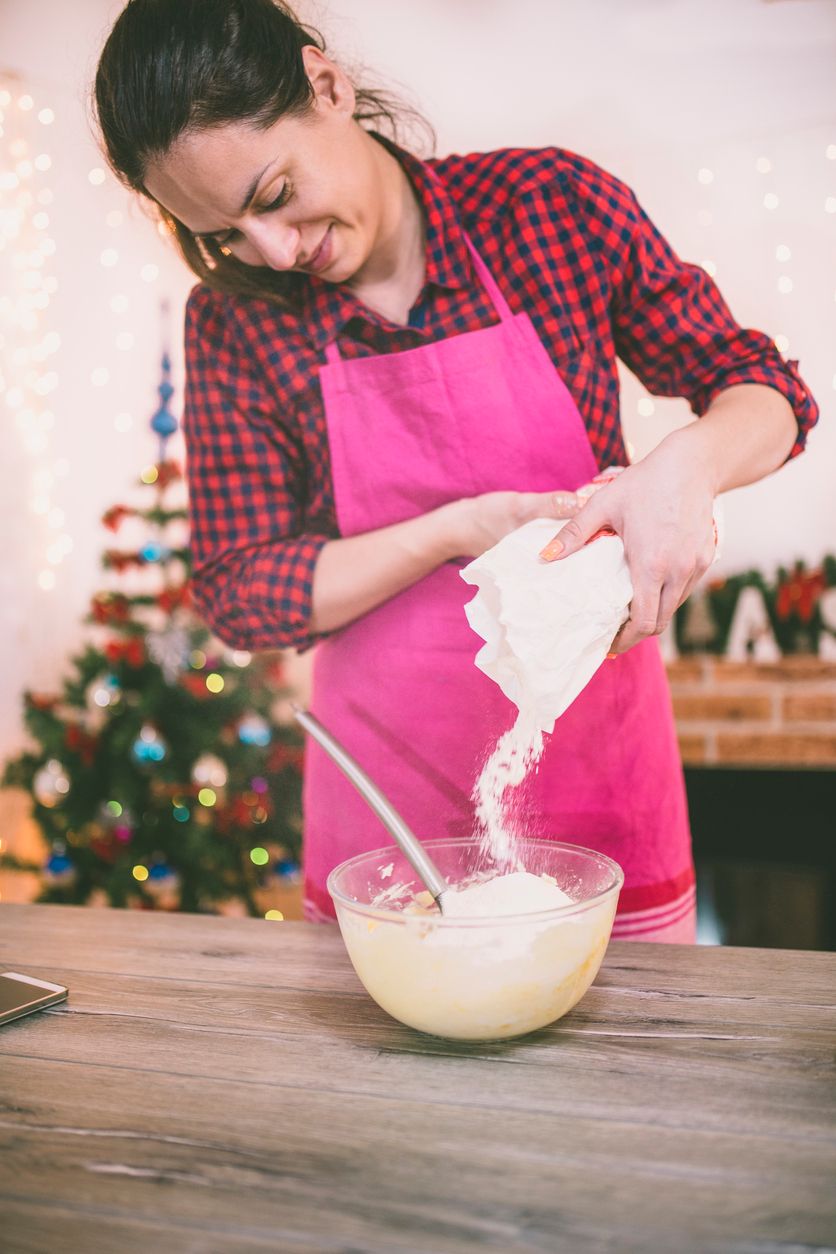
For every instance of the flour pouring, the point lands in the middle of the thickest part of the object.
(547, 627)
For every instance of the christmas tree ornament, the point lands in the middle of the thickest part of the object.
(163, 422)
(162, 884)
(287, 869)
(159, 871)
(237, 657)
(104, 691)
(254, 730)
(104, 846)
(153, 551)
(117, 820)
(51, 784)
(209, 769)
(149, 748)
(169, 648)
(58, 866)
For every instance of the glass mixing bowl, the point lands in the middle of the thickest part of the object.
(484, 979)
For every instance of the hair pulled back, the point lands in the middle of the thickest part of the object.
(175, 66)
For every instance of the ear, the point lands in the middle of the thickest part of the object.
(332, 87)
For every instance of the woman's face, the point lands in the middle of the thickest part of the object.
(307, 194)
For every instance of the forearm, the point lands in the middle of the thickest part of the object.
(746, 433)
(355, 575)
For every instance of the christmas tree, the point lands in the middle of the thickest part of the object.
(161, 776)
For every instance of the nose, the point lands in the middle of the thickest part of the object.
(276, 244)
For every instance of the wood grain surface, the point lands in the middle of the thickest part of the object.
(226, 1084)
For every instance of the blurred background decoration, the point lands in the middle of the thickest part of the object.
(722, 118)
(160, 776)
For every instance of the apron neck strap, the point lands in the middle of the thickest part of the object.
(500, 304)
(491, 286)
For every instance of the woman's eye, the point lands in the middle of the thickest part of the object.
(233, 235)
(282, 199)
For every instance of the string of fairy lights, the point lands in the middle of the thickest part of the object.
(28, 344)
(770, 202)
(30, 341)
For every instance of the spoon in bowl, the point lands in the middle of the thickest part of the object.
(403, 836)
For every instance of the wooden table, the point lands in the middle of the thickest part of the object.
(226, 1085)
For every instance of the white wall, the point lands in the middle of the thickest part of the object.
(654, 90)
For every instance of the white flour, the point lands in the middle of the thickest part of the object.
(515, 754)
(517, 893)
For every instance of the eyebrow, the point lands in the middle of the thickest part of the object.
(248, 199)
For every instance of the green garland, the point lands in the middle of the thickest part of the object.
(793, 602)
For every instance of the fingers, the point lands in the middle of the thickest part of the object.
(654, 605)
(589, 520)
(560, 504)
(550, 504)
(644, 615)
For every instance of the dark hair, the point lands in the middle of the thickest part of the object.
(172, 66)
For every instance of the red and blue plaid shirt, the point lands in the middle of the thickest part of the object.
(566, 242)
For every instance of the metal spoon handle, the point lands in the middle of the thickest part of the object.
(403, 836)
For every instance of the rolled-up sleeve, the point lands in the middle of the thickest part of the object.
(252, 557)
(671, 325)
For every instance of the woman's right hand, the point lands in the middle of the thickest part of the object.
(479, 522)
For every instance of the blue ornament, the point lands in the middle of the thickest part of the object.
(149, 746)
(286, 868)
(58, 863)
(152, 551)
(159, 871)
(254, 730)
(163, 422)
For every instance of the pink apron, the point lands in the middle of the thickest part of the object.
(479, 412)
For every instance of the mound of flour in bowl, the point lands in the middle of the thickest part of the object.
(517, 893)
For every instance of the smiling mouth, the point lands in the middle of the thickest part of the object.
(314, 258)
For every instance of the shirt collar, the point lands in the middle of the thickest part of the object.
(326, 307)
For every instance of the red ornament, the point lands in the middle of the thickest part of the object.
(110, 607)
(174, 598)
(195, 684)
(81, 742)
(118, 560)
(131, 652)
(113, 517)
(283, 757)
(104, 849)
(168, 472)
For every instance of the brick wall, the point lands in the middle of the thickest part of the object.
(780, 714)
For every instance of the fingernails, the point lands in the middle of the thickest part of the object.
(553, 549)
(611, 655)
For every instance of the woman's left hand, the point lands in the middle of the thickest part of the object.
(662, 508)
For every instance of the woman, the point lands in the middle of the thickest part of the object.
(391, 364)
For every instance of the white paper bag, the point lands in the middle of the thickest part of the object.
(548, 626)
